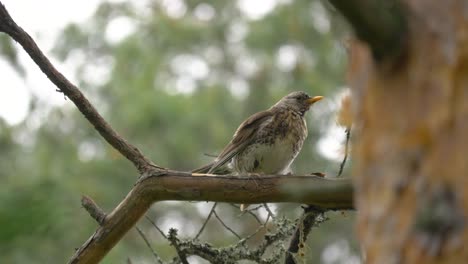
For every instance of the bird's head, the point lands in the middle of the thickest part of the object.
(298, 101)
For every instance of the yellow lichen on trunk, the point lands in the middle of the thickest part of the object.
(411, 140)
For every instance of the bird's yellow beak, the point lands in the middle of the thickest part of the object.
(314, 99)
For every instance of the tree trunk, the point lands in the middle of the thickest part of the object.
(411, 131)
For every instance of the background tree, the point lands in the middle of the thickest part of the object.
(410, 90)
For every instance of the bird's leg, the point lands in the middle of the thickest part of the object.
(253, 176)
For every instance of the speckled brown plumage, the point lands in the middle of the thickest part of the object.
(279, 141)
(268, 141)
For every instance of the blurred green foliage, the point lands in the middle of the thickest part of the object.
(8, 52)
(175, 78)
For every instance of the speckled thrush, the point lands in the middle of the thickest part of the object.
(268, 141)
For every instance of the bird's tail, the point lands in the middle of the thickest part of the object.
(203, 169)
(223, 170)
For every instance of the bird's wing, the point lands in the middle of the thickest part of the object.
(243, 136)
(203, 169)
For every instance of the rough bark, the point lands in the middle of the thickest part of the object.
(411, 140)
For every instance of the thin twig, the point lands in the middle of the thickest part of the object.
(255, 208)
(270, 213)
(252, 234)
(249, 211)
(348, 135)
(266, 220)
(155, 226)
(148, 244)
(246, 210)
(206, 221)
(226, 226)
(262, 226)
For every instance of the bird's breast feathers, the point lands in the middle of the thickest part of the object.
(274, 150)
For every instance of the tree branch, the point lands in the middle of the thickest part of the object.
(182, 186)
(306, 222)
(148, 244)
(235, 253)
(346, 151)
(382, 24)
(175, 243)
(93, 209)
(8, 26)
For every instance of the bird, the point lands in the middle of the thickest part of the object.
(268, 141)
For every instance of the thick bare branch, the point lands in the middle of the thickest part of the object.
(181, 186)
(382, 24)
(8, 26)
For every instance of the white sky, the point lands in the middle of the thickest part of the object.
(43, 20)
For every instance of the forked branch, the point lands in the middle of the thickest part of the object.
(324, 193)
